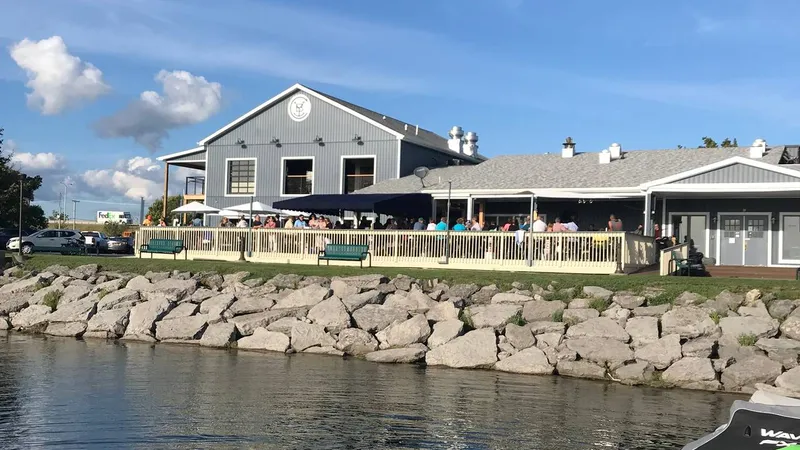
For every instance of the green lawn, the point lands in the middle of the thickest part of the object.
(673, 286)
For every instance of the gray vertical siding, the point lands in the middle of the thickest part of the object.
(335, 126)
(199, 156)
(413, 156)
(739, 173)
(715, 206)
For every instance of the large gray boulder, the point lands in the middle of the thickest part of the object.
(343, 290)
(578, 315)
(182, 310)
(79, 311)
(356, 342)
(542, 310)
(247, 323)
(444, 332)
(462, 290)
(689, 298)
(307, 296)
(215, 306)
(175, 290)
(284, 281)
(611, 353)
(640, 372)
(374, 318)
(443, 311)
(249, 305)
(183, 328)
(495, 316)
(484, 295)
(785, 351)
(546, 327)
(662, 353)
(520, 337)
(757, 309)
(356, 301)
(529, 361)
(108, 324)
(628, 300)
(364, 282)
(552, 340)
(126, 297)
(597, 292)
(284, 325)
(31, 284)
(790, 381)
(402, 334)
(305, 335)
(219, 335)
(83, 272)
(411, 354)
(643, 330)
(66, 329)
(735, 327)
(143, 318)
(110, 286)
(600, 327)
(414, 301)
(692, 373)
(651, 311)
(790, 327)
(476, 349)
(699, 348)
(73, 293)
(139, 283)
(33, 318)
(730, 300)
(580, 369)
(515, 299)
(331, 314)
(780, 309)
(688, 321)
(11, 303)
(58, 270)
(261, 339)
(37, 298)
(744, 374)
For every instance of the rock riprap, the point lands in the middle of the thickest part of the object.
(731, 341)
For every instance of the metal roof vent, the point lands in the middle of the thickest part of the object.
(758, 149)
(471, 143)
(616, 151)
(456, 141)
(568, 148)
(605, 157)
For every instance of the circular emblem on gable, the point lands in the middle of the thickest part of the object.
(299, 107)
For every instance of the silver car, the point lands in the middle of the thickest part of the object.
(44, 241)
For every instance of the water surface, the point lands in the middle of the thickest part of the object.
(63, 393)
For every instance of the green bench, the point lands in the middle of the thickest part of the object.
(682, 265)
(343, 252)
(163, 246)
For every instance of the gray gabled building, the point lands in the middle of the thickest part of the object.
(304, 142)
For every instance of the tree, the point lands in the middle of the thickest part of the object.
(157, 208)
(57, 215)
(114, 228)
(710, 143)
(32, 215)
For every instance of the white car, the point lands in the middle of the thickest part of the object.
(96, 240)
(43, 241)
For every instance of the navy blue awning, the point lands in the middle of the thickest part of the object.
(405, 205)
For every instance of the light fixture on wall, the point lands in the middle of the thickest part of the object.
(773, 220)
(319, 141)
(240, 141)
(357, 139)
(714, 220)
(585, 201)
(277, 142)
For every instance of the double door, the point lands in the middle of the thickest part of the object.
(744, 239)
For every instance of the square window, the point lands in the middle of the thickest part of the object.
(298, 176)
(242, 177)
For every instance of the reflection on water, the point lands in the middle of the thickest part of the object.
(97, 394)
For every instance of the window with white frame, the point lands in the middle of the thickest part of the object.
(358, 173)
(790, 232)
(298, 176)
(241, 177)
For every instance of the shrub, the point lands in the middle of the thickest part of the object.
(661, 299)
(39, 286)
(558, 295)
(715, 317)
(51, 299)
(747, 340)
(114, 229)
(101, 293)
(599, 304)
(466, 317)
(558, 316)
(518, 319)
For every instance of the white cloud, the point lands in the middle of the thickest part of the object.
(122, 183)
(38, 161)
(186, 100)
(132, 178)
(57, 79)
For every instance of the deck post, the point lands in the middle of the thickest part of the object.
(166, 191)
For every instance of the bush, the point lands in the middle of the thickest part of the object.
(599, 304)
(715, 316)
(51, 299)
(747, 340)
(558, 295)
(518, 319)
(114, 229)
(558, 316)
(466, 317)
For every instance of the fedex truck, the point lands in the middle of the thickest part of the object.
(114, 217)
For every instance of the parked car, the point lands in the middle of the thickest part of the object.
(8, 233)
(44, 241)
(96, 240)
(120, 244)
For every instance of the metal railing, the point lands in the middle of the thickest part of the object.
(582, 252)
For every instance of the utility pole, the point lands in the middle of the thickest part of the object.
(141, 211)
(74, 211)
(21, 179)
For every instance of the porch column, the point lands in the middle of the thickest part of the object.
(470, 207)
(647, 220)
(482, 213)
(433, 210)
(664, 216)
(166, 191)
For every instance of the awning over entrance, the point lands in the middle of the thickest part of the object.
(390, 204)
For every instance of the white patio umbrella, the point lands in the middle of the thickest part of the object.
(195, 207)
(258, 208)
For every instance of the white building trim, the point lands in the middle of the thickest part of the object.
(719, 165)
(781, 259)
(191, 151)
(313, 174)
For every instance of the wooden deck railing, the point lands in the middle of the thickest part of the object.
(582, 252)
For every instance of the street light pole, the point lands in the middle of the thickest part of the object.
(63, 211)
(74, 211)
(21, 179)
(446, 259)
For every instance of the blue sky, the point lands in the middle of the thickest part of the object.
(523, 74)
